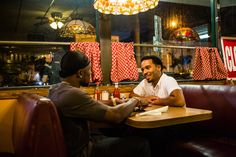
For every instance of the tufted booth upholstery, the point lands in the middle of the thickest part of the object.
(37, 130)
(221, 99)
(216, 137)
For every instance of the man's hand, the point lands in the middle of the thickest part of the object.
(150, 99)
(142, 103)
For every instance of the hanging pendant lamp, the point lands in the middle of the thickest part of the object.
(76, 27)
(124, 7)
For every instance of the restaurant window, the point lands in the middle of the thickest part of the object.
(170, 24)
(176, 24)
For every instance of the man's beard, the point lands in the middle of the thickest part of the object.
(149, 81)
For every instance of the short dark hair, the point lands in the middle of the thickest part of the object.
(156, 60)
(71, 62)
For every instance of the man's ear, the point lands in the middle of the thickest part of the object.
(157, 66)
(79, 74)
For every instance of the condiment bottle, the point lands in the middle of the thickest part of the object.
(105, 95)
(116, 92)
(97, 93)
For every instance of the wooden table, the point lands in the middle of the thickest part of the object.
(174, 116)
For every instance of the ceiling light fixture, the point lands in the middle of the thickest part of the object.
(56, 24)
(76, 27)
(125, 7)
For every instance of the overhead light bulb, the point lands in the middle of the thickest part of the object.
(53, 25)
(60, 24)
(56, 25)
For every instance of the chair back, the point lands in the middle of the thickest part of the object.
(37, 130)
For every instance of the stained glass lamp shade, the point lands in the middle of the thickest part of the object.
(184, 34)
(125, 7)
(76, 27)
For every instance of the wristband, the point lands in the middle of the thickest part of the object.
(137, 98)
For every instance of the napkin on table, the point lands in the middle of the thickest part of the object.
(154, 112)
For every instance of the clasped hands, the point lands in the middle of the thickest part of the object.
(150, 99)
(142, 103)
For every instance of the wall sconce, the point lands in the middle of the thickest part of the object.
(173, 24)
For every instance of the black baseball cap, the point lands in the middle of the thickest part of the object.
(71, 62)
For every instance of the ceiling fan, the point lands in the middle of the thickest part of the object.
(55, 21)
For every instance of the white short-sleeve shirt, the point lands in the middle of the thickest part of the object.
(164, 87)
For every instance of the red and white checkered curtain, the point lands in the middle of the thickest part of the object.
(91, 49)
(124, 65)
(208, 64)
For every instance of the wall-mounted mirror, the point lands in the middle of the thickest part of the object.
(172, 22)
(29, 20)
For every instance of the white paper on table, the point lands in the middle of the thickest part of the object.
(154, 112)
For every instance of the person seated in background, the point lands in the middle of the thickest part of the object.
(30, 76)
(157, 88)
(76, 108)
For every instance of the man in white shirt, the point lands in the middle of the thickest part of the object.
(157, 88)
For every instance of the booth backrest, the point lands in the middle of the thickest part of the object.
(221, 99)
(37, 130)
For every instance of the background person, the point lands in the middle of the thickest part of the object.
(47, 70)
(157, 88)
(29, 76)
(55, 66)
(76, 107)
